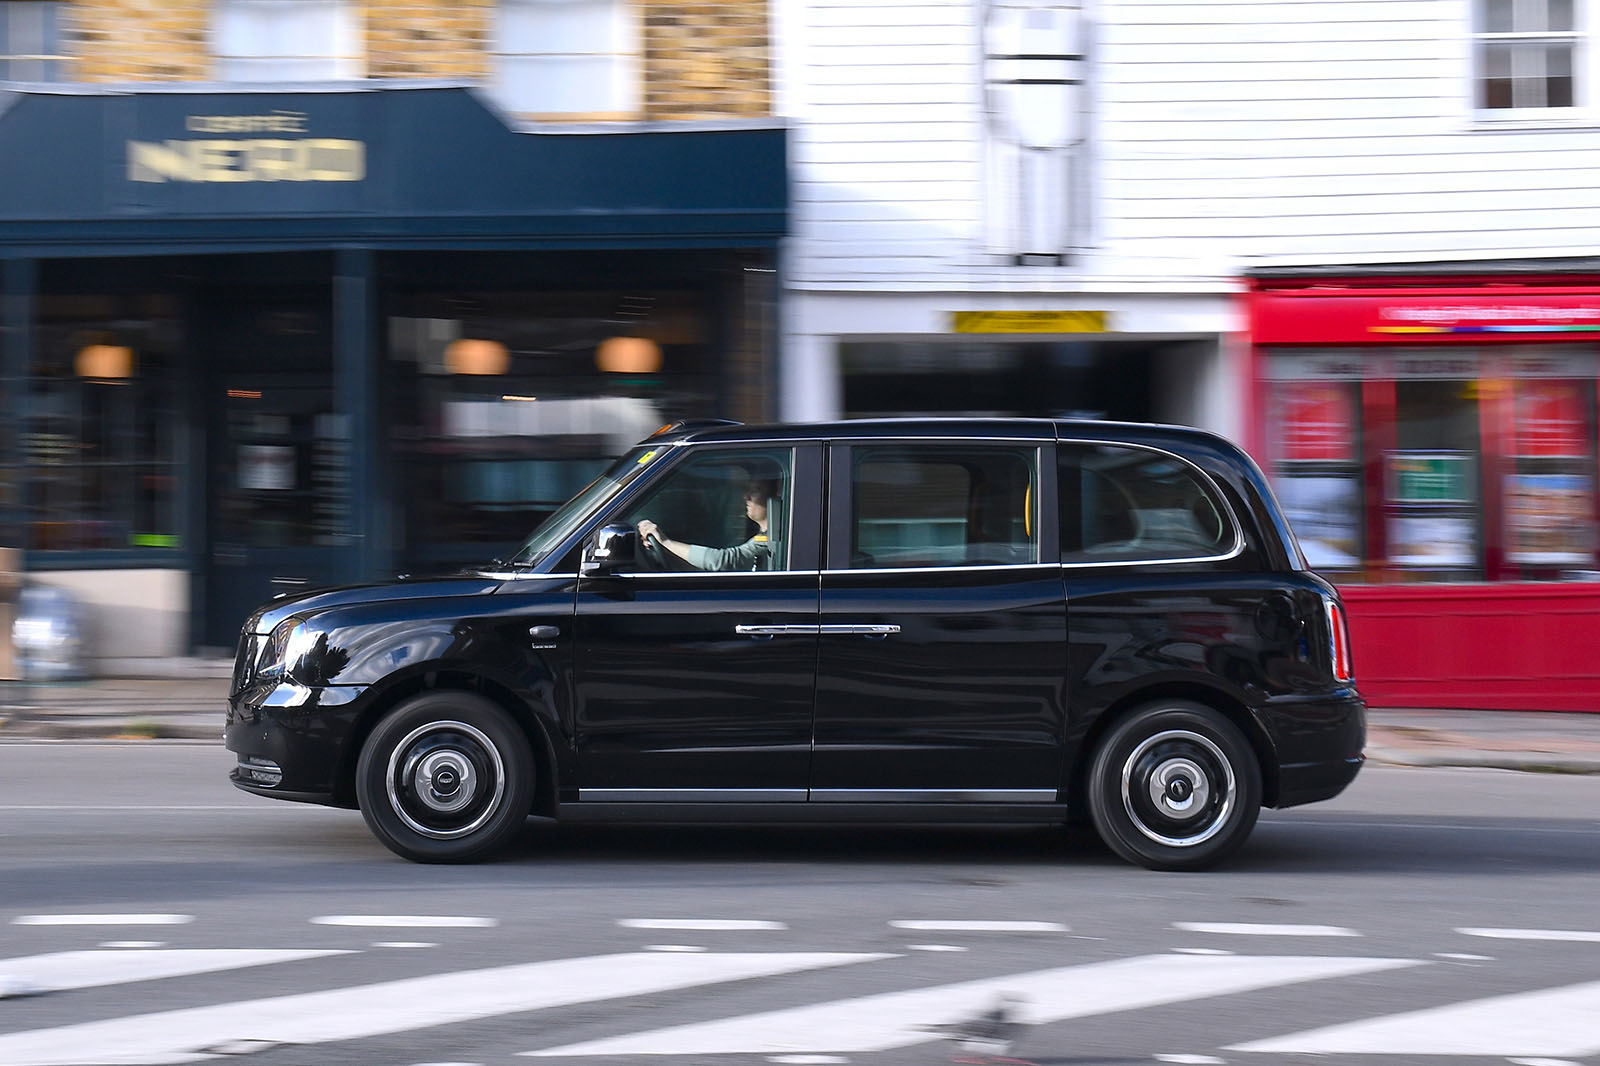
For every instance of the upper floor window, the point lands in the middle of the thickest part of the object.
(568, 59)
(1528, 53)
(287, 40)
(1033, 61)
(30, 41)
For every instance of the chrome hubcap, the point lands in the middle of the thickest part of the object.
(1178, 788)
(445, 780)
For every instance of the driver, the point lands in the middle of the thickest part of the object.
(753, 554)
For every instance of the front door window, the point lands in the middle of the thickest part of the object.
(723, 511)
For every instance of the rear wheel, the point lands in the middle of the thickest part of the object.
(446, 777)
(1174, 786)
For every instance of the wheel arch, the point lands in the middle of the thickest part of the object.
(1215, 698)
(439, 679)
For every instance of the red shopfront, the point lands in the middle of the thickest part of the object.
(1434, 443)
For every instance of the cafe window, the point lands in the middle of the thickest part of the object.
(30, 41)
(101, 434)
(508, 404)
(1440, 464)
(287, 40)
(568, 59)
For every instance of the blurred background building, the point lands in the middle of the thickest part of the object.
(302, 291)
(309, 290)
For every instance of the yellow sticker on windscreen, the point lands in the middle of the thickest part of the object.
(646, 457)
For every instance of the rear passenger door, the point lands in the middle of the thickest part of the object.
(943, 625)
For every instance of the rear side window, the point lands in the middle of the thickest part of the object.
(1125, 504)
(915, 505)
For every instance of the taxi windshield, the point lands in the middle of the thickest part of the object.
(570, 515)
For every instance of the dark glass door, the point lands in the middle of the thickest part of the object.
(278, 499)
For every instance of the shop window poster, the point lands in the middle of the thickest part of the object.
(1549, 520)
(1318, 421)
(1325, 513)
(1433, 541)
(1552, 420)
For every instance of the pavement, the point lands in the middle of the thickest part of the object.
(184, 699)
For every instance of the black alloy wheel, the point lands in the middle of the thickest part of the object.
(445, 777)
(1174, 786)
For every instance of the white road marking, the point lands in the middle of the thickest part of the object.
(1543, 1062)
(673, 947)
(1196, 1060)
(407, 921)
(178, 1036)
(1557, 1022)
(93, 969)
(133, 943)
(1263, 929)
(1582, 936)
(979, 926)
(935, 947)
(405, 944)
(901, 1019)
(705, 924)
(1458, 956)
(102, 919)
(807, 1060)
(1201, 951)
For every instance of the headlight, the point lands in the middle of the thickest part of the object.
(281, 654)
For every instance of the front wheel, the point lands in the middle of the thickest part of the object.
(446, 777)
(1174, 786)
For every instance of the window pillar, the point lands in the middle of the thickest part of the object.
(19, 280)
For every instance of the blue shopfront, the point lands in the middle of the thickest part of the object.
(254, 340)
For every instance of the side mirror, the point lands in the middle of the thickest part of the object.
(609, 550)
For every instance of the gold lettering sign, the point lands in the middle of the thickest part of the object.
(304, 159)
(1028, 321)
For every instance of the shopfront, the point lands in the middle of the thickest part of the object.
(255, 340)
(1434, 443)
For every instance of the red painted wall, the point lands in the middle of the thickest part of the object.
(1524, 647)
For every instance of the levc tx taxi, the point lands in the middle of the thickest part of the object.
(903, 620)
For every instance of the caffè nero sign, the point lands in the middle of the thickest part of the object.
(275, 146)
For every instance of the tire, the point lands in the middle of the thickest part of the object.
(445, 777)
(1174, 786)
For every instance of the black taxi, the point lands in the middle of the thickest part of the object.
(960, 620)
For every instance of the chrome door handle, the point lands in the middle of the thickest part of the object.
(859, 630)
(777, 631)
(544, 632)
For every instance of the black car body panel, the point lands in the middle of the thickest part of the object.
(896, 660)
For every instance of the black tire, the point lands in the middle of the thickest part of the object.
(1174, 786)
(445, 777)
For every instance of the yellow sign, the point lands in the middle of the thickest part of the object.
(256, 159)
(1028, 321)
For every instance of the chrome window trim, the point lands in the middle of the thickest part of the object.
(650, 574)
(1207, 482)
(944, 569)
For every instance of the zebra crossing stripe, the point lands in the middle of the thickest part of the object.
(64, 970)
(178, 1036)
(1556, 1022)
(901, 1019)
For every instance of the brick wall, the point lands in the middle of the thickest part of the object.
(702, 58)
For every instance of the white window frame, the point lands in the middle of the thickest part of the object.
(329, 44)
(1022, 167)
(46, 61)
(620, 98)
(1585, 69)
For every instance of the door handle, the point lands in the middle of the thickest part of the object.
(544, 632)
(777, 631)
(877, 631)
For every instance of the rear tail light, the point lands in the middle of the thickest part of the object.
(1339, 642)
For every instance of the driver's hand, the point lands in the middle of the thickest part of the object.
(649, 532)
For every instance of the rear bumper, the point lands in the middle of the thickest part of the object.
(1319, 743)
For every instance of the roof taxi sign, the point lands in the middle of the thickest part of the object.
(275, 148)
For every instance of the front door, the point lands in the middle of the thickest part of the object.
(278, 498)
(696, 668)
(942, 656)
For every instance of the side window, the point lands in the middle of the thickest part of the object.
(1122, 503)
(724, 510)
(942, 506)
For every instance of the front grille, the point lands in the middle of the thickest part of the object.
(244, 662)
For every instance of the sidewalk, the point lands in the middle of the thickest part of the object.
(185, 699)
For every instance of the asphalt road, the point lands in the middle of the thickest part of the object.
(150, 913)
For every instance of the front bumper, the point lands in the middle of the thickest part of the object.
(293, 741)
(1319, 745)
